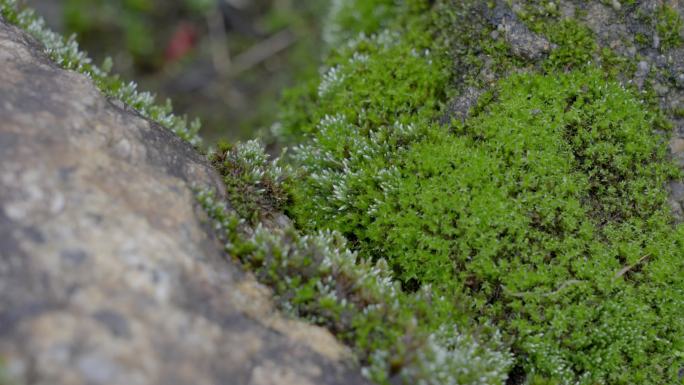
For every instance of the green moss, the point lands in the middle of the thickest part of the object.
(642, 39)
(537, 13)
(528, 214)
(669, 27)
(575, 45)
(616, 66)
(545, 213)
(531, 197)
(390, 46)
(382, 81)
(253, 185)
(411, 338)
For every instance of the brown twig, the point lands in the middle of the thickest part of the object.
(548, 294)
(626, 269)
(262, 51)
(220, 53)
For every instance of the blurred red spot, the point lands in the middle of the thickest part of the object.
(182, 42)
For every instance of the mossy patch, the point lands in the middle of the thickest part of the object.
(576, 46)
(253, 183)
(669, 27)
(398, 337)
(545, 213)
(527, 213)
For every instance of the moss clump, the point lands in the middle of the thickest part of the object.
(576, 46)
(398, 337)
(382, 46)
(528, 214)
(545, 213)
(669, 27)
(253, 184)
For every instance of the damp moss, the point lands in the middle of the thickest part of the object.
(253, 183)
(544, 213)
(397, 337)
(669, 27)
(575, 45)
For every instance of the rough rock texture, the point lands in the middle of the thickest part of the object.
(107, 272)
(522, 42)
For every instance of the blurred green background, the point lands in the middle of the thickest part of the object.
(224, 61)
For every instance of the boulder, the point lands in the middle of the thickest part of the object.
(109, 270)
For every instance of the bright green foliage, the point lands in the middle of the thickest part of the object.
(65, 53)
(349, 18)
(575, 45)
(396, 59)
(253, 184)
(365, 137)
(369, 100)
(397, 336)
(531, 211)
(410, 338)
(546, 213)
(669, 27)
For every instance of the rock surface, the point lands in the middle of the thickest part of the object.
(108, 272)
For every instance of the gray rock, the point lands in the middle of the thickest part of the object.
(523, 42)
(643, 69)
(109, 273)
(461, 107)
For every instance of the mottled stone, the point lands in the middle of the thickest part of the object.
(109, 271)
(460, 107)
(523, 42)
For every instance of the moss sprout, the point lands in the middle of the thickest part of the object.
(396, 336)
